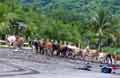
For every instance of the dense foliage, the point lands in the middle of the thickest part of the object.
(89, 22)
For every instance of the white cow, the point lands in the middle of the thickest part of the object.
(11, 39)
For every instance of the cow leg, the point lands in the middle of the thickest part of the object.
(45, 51)
(48, 52)
(36, 49)
(52, 52)
(58, 53)
(41, 50)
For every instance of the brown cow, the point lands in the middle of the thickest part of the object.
(116, 57)
(19, 42)
(48, 48)
(93, 54)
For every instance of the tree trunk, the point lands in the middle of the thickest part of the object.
(99, 47)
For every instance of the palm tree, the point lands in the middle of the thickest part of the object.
(103, 24)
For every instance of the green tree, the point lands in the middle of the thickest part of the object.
(104, 26)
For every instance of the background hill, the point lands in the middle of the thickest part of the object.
(74, 9)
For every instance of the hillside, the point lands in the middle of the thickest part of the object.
(74, 9)
(76, 5)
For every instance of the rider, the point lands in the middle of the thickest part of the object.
(108, 59)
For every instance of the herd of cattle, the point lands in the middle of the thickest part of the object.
(68, 50)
